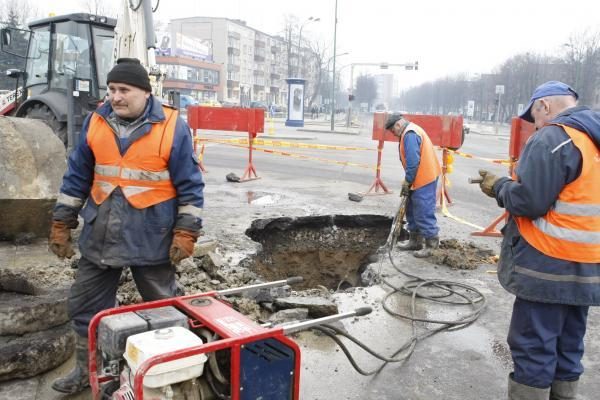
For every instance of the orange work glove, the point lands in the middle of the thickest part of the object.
(60, 240)
(182, 245)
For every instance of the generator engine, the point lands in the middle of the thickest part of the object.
(195, 347)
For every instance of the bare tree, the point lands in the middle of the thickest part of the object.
(319, 52)
(290, 26)
(98, 7)
(19, 12)
(366, 89)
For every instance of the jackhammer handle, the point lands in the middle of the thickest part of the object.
(475, 180)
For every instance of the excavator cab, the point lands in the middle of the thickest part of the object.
(67, 60)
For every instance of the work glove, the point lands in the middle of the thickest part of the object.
(405, 188)
(487, 185)
(60, 240)
(183, 245)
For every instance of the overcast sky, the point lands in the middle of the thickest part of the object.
(446, 37)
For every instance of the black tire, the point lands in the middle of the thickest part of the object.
(43, 112)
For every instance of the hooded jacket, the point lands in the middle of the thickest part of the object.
(549, 162)
(114, 232)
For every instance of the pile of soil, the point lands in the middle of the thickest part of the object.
(462, 255)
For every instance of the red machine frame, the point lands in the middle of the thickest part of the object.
(203, 310)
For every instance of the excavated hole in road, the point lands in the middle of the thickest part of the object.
(326, 250)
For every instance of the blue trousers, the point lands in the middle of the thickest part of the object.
(420, 212)
(546, 342)
(95, 289)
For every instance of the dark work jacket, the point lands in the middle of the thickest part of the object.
(115, 233)
(548, 162)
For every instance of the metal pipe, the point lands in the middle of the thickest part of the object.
(302, 326)
(289, 281)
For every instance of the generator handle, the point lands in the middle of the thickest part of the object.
(304, 325)
(283, 282)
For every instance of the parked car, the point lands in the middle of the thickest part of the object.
(187, 100)
(211, 103)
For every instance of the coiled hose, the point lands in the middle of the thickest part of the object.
(414, 287)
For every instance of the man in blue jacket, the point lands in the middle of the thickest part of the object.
(135, 181)
(550, 256)
(422, 170)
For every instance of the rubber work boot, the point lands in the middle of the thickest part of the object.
(415, 242)
(564, 390)
(518, 391)
(78, 379)
(430, 245)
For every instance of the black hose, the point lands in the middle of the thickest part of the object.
(156, 7)
(414, 288)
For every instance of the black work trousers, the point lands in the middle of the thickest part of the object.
(95, 289)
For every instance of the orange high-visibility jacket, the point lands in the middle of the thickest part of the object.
(142, 172)
(571, 229)
(429, 166)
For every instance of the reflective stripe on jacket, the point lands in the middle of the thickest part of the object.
(571, 229)
(142, 172)
(429, 166)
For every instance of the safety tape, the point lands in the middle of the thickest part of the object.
(305, 157)
(466, 155)
(279, 143)
(447, 213)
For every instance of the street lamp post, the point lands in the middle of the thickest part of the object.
(310, 19)
(333, 75)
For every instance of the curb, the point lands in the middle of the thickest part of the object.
(328, 131)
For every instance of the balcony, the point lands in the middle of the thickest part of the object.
(234, 51)
(259, 58)
(260, 43)
(232, 84)
(234, 35)
(233, 67)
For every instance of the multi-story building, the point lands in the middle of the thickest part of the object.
(255, 64)
(385, 89)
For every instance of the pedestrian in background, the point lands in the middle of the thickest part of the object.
(551, 248)
(421, 172)
(135, 180)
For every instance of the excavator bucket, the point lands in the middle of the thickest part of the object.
(32, 163)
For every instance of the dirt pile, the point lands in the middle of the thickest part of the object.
(462, 255)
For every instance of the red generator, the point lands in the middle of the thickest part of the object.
(195, 347)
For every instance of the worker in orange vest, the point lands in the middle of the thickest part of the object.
(135, 181)
(422, 170)
(550, 257)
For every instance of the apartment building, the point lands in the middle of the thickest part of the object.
(255, 64)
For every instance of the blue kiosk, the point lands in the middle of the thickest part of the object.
(295, 114)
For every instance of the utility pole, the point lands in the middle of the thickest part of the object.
(333, 75)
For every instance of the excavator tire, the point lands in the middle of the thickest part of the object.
(42, 112)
